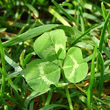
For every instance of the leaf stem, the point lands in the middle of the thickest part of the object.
(67, 93)
(69, 98)
(49, 97)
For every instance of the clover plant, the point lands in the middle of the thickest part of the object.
(51, 48)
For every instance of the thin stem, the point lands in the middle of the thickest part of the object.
(49, 97)
(3, 71)
(69, 98)
(67, 93)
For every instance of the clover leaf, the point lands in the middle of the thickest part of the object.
(75, 68)
(51, 48)
(40, 74)
(51, 45)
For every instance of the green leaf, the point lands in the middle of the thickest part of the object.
(103, 32)
(51, 45)
(40, 74)
(86, 32)
(36, 13)
(92, 80)
(12, 63)
(75, 68)
(64, 11)
(58, 16)
(29, 34)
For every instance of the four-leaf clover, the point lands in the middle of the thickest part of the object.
(51, 48)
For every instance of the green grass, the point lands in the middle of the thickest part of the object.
(86, 24)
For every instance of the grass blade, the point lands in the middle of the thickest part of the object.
(12, 63)
(64, 12)
(101, 78)
(49, 97)
(86, 32)
(58, 16)
(91, 85)
(103, 32)
(106, 51)
(29, 34)
(105, 15)
(4, 74)
(36, 13)
(82, 20)
(100, 62)
(21, 58)
(78, 18)
(3, 70)
(27, 59)
(103, 10)
(31, 105)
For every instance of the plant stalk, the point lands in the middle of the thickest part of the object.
(67, 93)
(49, 97)
(3, 70)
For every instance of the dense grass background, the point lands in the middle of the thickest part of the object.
(87, 26)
